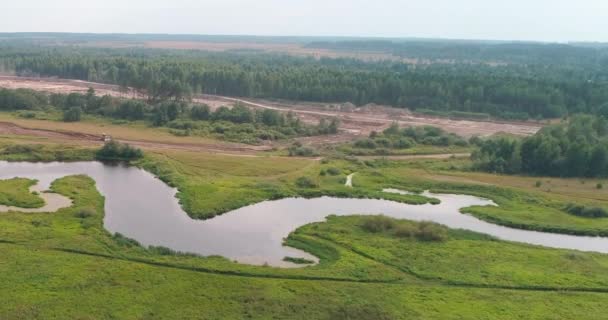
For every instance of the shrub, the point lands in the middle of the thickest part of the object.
(118, 151)
(404, 143)
(200, 112)
(586, 212)
(124, 241)
(333, 171)
(305, 182)
(85, 213)
(405, 231)
(538, 184)
(163, 251)
(430, 231)
(365, 144)
(72, 115)
(298, 260)
(383, 142)
(26, 114)
(599, 186)
(301, 152)
(377, 224)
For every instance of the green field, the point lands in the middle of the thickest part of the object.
(15, 192)
(65, 265)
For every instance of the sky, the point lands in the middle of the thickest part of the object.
(540, 20)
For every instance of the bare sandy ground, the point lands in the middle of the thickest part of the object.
(356, 122)
(363, 120)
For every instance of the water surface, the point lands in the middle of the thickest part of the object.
(144, 208)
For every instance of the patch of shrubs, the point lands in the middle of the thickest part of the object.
(124, 241)
(85, 213)
(298, 150)
(397, 138)
(21, 149)
(298, 260)
(377, 224)
(586, 212)
(306, 182)
(423, 231)
(429, 231)
(114, 150)
(331, 171)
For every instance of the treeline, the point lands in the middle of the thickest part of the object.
(577, 148)
(517, 91)
(237, 123)
(472, 51)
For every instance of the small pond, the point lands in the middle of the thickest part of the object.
(142, 207)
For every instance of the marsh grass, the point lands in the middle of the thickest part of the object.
(15, 192)
(298, 260)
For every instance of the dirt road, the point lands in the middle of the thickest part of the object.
(418, 156)
(8, 128)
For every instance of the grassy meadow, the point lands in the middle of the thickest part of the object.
(15, 192)
(385, 269)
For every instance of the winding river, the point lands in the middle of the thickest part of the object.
(142, 207)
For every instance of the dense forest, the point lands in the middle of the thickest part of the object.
(554, 81)
(237, 123)
(576, 148)
(482, 52)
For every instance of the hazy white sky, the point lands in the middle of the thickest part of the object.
(548, 20)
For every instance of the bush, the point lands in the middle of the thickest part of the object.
(365, 144)
(85, 213)
(118, 151)
(124, 241)
(298, 260)
(295, 151)
(26, 114)
(586, 212)
(305, 182)
(599, 186)
(200, 112)
(430, 231)
(422, 231)
(405, 231)
(72, 115)
(377, 224)
(333, 171)
(404, 143)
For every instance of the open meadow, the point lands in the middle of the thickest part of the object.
(370, 268)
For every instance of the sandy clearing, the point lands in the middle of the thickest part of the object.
(356, 122)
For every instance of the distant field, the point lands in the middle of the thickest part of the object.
(296, 49)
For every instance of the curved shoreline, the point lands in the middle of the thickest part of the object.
(52, 202)
(141, 206)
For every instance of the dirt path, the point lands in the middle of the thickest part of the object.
(418, 156)
(8, 128)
